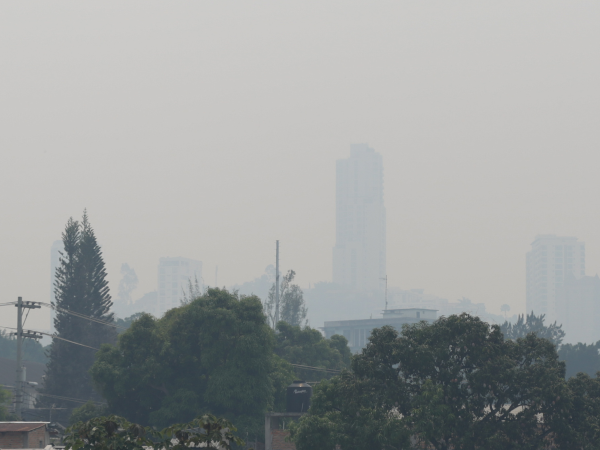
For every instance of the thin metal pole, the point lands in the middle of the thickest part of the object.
(19, 382)
(276, 284)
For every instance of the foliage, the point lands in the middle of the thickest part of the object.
(127, 321)
(580, 357)
(32, 349)
(5, 402)
(533, 324)
(455, 383)
(80, 287)
(194, 291)
(292, 310)
(116, 433)
(584, 417)
(214, 354)
(307, 346)
(87, 411)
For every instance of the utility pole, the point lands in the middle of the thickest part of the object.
(276, 284)
(20, 335)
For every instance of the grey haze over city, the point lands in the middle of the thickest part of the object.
(210, 130)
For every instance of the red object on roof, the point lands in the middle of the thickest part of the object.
(21, 426)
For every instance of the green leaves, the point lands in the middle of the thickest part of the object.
(116, 433)
(455, 383)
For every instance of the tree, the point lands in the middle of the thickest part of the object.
(5, 402)
(580, 358)
(81, 288)
(455, 383)
(291, 302)
(308, 347)
(533, 324)
(214, 355)
(116, 433)
(87, 411)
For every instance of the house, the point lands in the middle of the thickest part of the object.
(24, 435)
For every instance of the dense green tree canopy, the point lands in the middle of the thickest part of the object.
(307, 346)
(455, 383)
(214, 355)
(5, 403)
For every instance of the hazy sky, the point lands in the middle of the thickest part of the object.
(210, 129)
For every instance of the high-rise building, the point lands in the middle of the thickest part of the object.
(578, 309)
(174, 276)
(359, 259)
(551, 261)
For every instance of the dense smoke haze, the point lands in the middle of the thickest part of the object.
(209, 130)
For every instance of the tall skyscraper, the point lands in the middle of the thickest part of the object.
(359, 259)
(550, 263)
(174, 276)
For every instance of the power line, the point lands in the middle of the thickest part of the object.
(54, 336)
(82, 316)
(319, 369)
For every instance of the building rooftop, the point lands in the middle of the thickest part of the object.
(21, 426)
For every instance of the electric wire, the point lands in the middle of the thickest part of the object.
(82, 316)
(318, 369)
(54, 336)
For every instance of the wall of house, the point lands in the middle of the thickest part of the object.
(12, 439)
(279, 443)
(38, 438)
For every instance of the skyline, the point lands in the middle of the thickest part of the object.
(198, 131)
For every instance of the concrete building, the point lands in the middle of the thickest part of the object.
(358, 331)
(24, 435)
(578, 309)
(174, 276)
(551, 260)
(359, 257)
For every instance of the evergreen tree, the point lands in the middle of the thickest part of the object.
(81, 287)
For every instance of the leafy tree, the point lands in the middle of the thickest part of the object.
(584, 414)
(32, 349)
(533, 324)
(214, 354)
(81, 287)
(580, 357)
(5, 402)
(116, 433)
(455, 383)
(87, 411)
(292, 308)
(307, 346)
(125, 323)
(194, 291)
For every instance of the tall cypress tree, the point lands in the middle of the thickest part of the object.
(81, 287)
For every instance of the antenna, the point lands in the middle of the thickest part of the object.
(386, 301)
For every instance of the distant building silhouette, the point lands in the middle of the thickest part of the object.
(174, 276)
(359, 257)
(551, 261)
(578, 308)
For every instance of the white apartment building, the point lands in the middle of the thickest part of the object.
(359, 257)
(174, 275)
(551, 261)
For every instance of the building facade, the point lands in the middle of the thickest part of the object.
(578, 309)
(174, 276)
(359, 255)
(551, 261)
(358, 331)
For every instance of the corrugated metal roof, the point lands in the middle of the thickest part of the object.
(21, 426)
